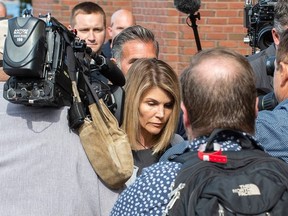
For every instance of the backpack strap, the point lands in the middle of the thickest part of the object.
(213, 152)
(246, 142)
(175, 151)
(179, 152)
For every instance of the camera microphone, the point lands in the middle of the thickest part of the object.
(187, 6)
(110, 70)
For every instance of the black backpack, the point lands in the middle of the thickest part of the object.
(246, 182)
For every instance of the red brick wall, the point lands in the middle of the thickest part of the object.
(221, 24)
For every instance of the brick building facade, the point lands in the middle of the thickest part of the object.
(220, 24)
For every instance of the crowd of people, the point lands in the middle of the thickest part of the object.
(44, 168)
(209, 95)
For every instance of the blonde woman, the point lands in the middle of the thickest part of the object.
(151, 112)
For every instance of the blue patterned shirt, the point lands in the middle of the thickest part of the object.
(272, 130)
(149, 194)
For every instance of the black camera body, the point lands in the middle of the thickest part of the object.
(34, 58)
(267, 101)
(42, 57)
(258, 19)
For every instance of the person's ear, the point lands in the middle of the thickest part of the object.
(256, 106)
(186, 122)
(109, 30)
(276, 36)
(113, 60)
(70, 27)
(185, 115)
(283, 70)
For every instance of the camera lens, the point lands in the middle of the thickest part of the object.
(265, 38)
(267, 102)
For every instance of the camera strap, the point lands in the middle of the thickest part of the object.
(105, 144)
(95, 97)
(77, 113)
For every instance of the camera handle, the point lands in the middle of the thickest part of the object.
(193, 25)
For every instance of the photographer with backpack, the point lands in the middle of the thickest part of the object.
(222, 169)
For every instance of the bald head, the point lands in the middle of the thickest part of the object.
(217, 69)
(122, 13)
(120, 20)
(218, 90)
(3, 10)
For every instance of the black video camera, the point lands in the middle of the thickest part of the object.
(34, 58)
(268, 101)
(258, 19)
(37, 60)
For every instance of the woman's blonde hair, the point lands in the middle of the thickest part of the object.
(142, 76)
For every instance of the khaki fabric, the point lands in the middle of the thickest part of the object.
(107, 146)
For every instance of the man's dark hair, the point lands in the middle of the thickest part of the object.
(281, 16)
(132, 33)
(86, 8)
